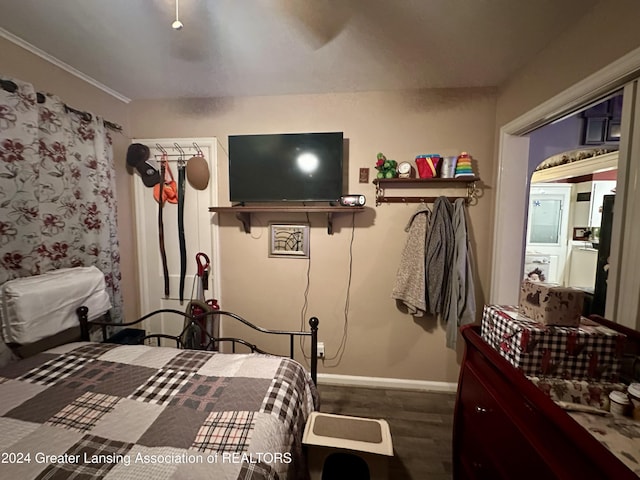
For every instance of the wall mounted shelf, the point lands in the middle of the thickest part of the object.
(383, 183)
(244, 213)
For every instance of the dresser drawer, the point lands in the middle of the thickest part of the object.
(507, 449)
(474, 461)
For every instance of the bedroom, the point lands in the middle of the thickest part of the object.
(384, 345)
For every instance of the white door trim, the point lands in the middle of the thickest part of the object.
(623, 289)
(513, 174)
(509, 232)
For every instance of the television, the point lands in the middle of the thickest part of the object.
(286, 167)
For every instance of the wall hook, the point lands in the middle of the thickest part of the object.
(181, 151)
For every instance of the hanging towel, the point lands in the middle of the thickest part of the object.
(462, 303)
(410, 279)
(439, 255)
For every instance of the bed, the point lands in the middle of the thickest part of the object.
(92, 410)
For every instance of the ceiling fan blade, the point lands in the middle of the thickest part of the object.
(321, 20)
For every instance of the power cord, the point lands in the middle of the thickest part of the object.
(343, 341)
(305, 303)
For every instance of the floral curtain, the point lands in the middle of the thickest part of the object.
(57, 190)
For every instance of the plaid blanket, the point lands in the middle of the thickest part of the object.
(96, 410)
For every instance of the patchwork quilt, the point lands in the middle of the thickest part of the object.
(104, 411)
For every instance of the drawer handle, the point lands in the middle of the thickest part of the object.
(482, 410)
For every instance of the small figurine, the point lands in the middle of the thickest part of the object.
(386, 168)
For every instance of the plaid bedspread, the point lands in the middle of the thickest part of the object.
(95, 410)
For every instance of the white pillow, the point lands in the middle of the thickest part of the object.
(43, 305)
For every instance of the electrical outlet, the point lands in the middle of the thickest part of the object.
(320, 349)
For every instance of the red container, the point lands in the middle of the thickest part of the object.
(428, 165)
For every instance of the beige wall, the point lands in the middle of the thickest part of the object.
(18, 63)
(604, 34)
(381, 341)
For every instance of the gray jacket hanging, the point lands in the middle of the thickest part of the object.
(439, 256)
(461, 308)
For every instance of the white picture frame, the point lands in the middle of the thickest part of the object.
(289, 240)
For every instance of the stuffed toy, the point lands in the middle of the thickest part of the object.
(386, 168)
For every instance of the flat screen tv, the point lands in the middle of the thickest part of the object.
(285, 167)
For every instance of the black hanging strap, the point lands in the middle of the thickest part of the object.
(181, 239)
(163, 253)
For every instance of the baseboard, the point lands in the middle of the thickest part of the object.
(399, 383)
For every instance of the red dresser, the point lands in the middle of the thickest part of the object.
(507, 428)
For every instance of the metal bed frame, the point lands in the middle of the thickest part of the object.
(192, 323)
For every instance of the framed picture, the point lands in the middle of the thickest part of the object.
(290, 241)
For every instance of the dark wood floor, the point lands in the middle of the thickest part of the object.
(421, 425)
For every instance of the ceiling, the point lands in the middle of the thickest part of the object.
(271, 47)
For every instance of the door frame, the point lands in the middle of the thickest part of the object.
(514, 176)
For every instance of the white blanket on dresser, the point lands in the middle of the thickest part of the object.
(36, 307)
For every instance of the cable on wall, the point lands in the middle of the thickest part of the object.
(343, 341)
(305, 303)
(303, 312)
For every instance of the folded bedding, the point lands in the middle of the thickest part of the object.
(36, 307)
(107, 411)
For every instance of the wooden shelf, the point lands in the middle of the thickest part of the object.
(244, 213)
(382, 183)
(399, 181)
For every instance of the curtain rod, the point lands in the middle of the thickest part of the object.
(11, 87)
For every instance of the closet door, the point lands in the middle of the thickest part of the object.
(201, 235)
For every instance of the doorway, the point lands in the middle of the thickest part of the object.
(546, 249)
(623, 304)
(566, 197)
(201, 235)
